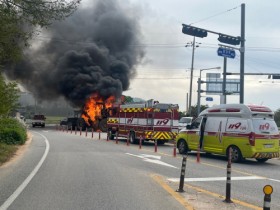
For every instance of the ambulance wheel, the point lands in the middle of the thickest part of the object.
(261, 160)
(182, 146)
(132, 139)
(236, 155)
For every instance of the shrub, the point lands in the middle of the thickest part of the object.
(12, 131)
(6, 152)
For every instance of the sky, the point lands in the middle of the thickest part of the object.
(147, 35)
(164, 73)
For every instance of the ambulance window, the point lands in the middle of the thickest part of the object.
(265, 126)
(196, 123)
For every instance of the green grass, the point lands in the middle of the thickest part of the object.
(6, 152)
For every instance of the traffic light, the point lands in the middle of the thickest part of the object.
(229, 39)
(194, 31)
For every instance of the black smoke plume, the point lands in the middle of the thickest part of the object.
(93, 51)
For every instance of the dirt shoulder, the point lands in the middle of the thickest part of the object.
(21, 149)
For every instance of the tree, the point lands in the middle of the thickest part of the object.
(9, 94)
(10, 50)
(277, 117)
(193, 111)
(40, 12)
(19, 20)
(128, 99)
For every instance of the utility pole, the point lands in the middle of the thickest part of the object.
(191, 79)
(242, 53)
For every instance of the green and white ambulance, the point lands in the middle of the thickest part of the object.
(249, 130)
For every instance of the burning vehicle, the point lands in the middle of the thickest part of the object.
(94, 114)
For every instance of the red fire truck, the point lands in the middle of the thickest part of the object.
(149, 120)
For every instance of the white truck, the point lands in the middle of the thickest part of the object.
(38, 120)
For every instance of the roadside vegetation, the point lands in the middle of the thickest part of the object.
(277, 117)
(12, 134)
(6, 152)
(19, 22)
(12, 131)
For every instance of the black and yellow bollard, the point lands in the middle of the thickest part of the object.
(182, 177)
(267, 196)
(228, 183)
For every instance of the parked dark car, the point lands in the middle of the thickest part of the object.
(63, 121)
(70, 122)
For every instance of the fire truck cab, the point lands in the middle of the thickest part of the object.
(149, 120)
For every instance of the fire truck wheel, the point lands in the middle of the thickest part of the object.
(182, 146)
(103, 125)
(236, 155)
(161, 142)
(111, 135)
(132, 139)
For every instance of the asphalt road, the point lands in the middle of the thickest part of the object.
(62, 170)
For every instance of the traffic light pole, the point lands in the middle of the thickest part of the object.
(198, 94)
(224, 38)
(224, 101)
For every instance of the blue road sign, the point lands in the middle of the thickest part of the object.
(229, 53)
(209, 99)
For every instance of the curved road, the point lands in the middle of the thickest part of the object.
(80, 172)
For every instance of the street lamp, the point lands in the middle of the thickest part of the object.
(199, 87)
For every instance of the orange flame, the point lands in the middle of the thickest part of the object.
(94, 106)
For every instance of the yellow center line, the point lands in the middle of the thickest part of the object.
(221, 196)
(177, 196)
(187, 205)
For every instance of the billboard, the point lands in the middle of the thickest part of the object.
(214, 85)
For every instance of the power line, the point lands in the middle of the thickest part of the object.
(160, 45)
(218, 14)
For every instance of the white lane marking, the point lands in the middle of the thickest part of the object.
(135, 155)
(208, 179)
(275, 180)
(157, 160)
(151, 156)
(17, 192)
